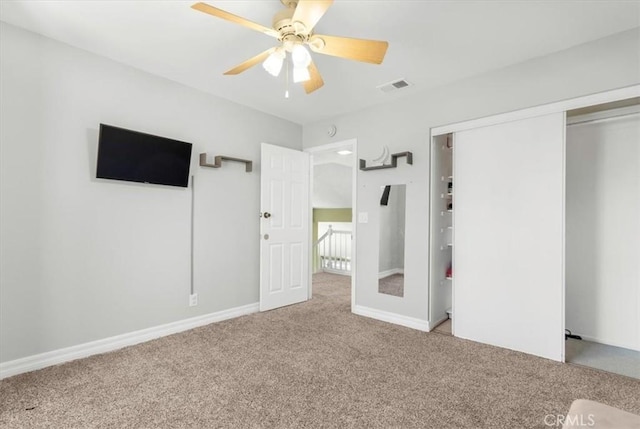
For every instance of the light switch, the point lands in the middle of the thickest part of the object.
(363, 217)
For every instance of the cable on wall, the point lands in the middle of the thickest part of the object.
(193, 197)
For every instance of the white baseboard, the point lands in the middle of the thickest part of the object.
(392, 271)
(342, 273)
(55, 357)
(608, 343)
(398, 319)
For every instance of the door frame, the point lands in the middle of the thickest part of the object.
(544, 109)
(354, 225)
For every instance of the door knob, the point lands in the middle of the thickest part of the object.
(266, 236)
(267, 215)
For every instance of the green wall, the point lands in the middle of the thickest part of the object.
(327, 215)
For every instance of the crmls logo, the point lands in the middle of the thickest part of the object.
(574, 421)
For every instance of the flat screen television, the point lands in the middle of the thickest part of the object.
(138, 157)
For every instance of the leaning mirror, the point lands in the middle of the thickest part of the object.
(391, 254)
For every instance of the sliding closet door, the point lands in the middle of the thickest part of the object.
(508, 235)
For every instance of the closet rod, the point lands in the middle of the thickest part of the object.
(586, 121)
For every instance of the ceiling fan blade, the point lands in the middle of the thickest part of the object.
(315, 82)
(368, 51)
(203, 7)
(250, 62)
(309, 12)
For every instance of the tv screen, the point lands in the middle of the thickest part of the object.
(138, 157)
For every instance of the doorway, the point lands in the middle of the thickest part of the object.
(441, 234)
(602, 294)
(333, 208)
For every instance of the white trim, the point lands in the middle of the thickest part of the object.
(607, 342)
(397, 319)
(331, 146)
(392, 271)
(55, 357)
(340, 273)
(453, 238)
(311, 240)
(604, 115)
(563, 279)
(559, 106)
(354, 223)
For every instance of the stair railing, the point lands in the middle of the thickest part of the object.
(333, 252)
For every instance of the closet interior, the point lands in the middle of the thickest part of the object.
(602, 233)
(441, 267)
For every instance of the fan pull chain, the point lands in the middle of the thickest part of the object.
(286, 91)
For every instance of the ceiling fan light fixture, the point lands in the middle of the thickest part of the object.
(316, 44)
(273, 63)
(294, 28)
(300, 56)
(301, 74)
(299, 27)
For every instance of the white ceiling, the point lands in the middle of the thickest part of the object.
(431, 43)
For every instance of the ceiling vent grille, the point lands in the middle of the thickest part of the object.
(394, 86)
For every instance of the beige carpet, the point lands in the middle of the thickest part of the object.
(392, 285)
(444, 327)
(308, 365)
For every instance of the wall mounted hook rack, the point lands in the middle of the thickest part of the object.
(394, 162)
(217, 161)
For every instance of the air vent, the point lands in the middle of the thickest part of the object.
(394, 86)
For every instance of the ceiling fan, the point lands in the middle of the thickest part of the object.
(293, 27)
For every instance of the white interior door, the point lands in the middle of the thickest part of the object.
(509, 235)
(284, 227)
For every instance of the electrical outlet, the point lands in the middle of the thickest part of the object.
(193, 300)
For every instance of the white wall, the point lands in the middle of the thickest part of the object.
(603, 230)
(323, 227)
(84, 259)
(404, 124)
(332, 186)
